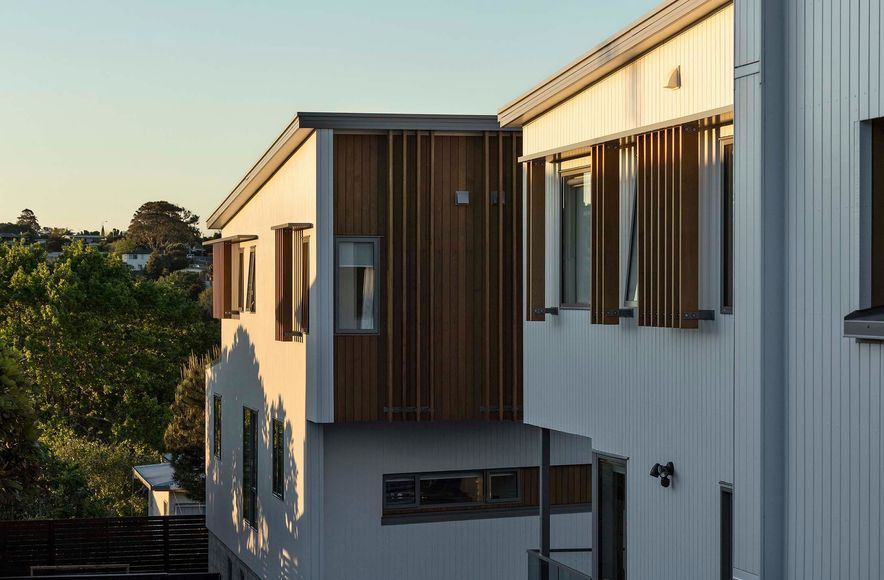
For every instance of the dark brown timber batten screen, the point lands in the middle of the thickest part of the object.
(145, 544)
(605, 192)
(667, 176)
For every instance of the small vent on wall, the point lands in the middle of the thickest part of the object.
(461, 198)
(674, 81)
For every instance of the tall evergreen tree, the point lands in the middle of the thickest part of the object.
(27, 222)
(185, 434)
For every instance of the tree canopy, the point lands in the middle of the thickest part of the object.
(185, 434)
(27, 222)
(159, 224)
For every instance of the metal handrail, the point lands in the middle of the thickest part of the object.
(558, 565)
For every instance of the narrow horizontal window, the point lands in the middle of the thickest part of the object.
(357, 285)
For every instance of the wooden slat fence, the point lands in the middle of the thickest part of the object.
(146, 544)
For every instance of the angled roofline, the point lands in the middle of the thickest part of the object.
(303, 125)
(650, 30)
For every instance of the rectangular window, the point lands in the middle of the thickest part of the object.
(250, 288)
(451, 489)
(876, 253)
(238, 277)
(357, 285)
(400, 491)
(631, 298)
(216, 426)
(249, 465)
(576, 240)
(727, 533)
(503, 486)
(727, 228)
(278, 435)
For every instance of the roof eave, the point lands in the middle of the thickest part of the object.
(636, 39)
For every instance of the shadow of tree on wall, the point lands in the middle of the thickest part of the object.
(274, 536)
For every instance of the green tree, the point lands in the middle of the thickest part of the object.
(164, 263)
(103, 350)
(188, 283)
(57, 239)
(27, 222)
(18, 430)
(185, 435)
(159, 224)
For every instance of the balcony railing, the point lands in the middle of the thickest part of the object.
(541, 567)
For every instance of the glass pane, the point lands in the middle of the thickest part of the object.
(451, 489)
(357, 285)
(632, 281)
(250, 293)
(576, 240)
(399, 492)
(503, 486)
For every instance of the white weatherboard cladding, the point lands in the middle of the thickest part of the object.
(633, 96)
(649, 394)
(272, 377)
(357, 546)
(835, 483)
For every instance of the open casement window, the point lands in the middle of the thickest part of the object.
(605, 185)
(667, 170)
(575, 263)
(536, 251)
(292, 281)
(250, 301)
(227, 275)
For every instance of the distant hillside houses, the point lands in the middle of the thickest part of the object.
(136, 259)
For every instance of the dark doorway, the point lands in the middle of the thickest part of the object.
(610, 511)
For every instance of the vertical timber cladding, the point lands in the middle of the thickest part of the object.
(605, 191)
(667, 181)
(449, 346)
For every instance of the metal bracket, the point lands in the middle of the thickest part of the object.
(700, 315)
(550, 310)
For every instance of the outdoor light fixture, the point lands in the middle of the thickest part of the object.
(664, 472)
(674, 81)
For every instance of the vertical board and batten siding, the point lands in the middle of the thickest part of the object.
(834, 74)
(450, 336)
(632, 97)
(650, 394)
(276, 379)
(357, 456)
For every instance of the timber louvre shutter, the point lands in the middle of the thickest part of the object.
(536, 239)
(605, 192)
(292, 281)
(221, 280)
(667, 176)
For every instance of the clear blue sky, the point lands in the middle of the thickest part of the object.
(106, 104)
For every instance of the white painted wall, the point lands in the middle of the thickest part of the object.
(257, 371)
(649, 394)
(357, 546)
(834, 80)
(634, 97)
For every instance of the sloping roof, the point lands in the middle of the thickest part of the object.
(650, 30)
(157, 476)
(304, 124)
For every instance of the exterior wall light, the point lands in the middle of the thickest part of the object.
(664, 472)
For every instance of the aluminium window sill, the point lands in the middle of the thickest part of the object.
(866, 324)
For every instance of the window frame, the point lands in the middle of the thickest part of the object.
(250, 301)
(277, 457)
(376, 242)
(253, 488)
(217, 416)
(491, 472)
(725, 143)
(564, 174)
